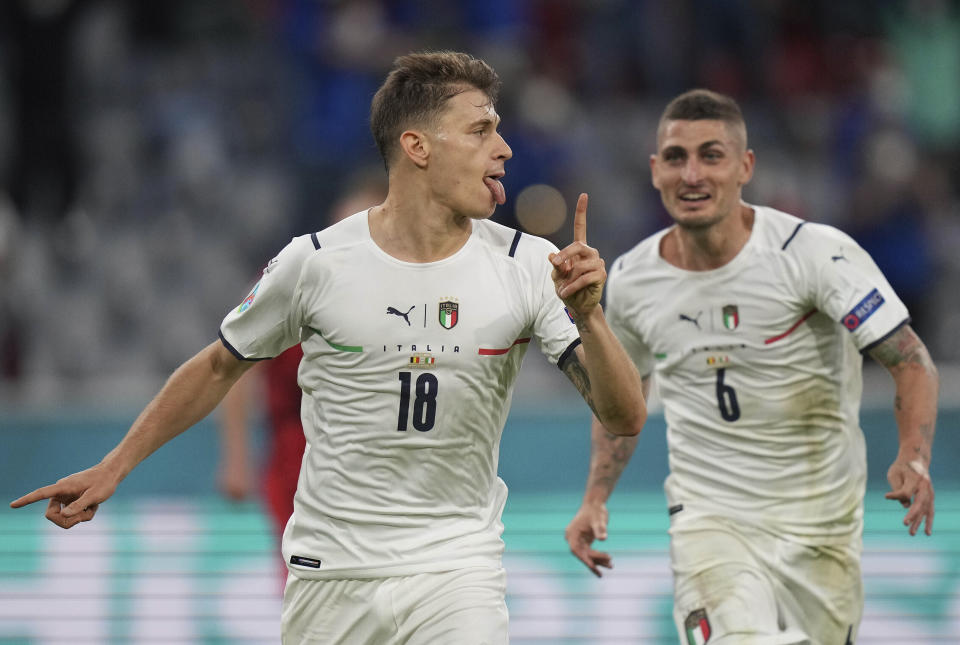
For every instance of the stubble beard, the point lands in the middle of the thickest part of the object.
(699, 223)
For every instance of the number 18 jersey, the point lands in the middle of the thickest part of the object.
(758, 366)
(407, 377)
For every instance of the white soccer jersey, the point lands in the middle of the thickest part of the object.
(407, 377)
(758, 366)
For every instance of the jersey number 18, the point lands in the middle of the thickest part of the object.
(424, 405)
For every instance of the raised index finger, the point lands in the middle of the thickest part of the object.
(580, 220)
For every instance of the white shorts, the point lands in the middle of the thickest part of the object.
(462, 607)
(734, 583)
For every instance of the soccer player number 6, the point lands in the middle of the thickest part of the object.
(726, 398)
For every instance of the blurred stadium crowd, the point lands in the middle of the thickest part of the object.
(154, 155)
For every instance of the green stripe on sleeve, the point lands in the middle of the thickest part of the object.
(341, 348)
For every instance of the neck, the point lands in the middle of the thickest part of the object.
(417, 230)
(711, 247)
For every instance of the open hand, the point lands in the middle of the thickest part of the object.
(911, 486)
(589, 524)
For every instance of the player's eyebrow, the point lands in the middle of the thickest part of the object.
(485, 122)
(710, 144)
(706, 145)
(673, 150)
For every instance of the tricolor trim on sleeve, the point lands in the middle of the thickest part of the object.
(516, 241)
(497, 352)
(906, 321)
(566, 353)
(233, 350)
(792, 235)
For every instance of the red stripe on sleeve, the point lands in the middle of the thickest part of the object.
(792, 329)
(497, 352)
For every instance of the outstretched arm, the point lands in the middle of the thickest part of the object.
(915, 409)
(601, 371)
(235, 473)
(189, 395)
(609, 456)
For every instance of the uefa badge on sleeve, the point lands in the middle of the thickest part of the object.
(248, 300)
(449, 313)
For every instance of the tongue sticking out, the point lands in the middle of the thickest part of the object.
(496, 189)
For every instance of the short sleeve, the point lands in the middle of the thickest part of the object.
(267, 322)
(851, 289)
(554, 329)
(638, 351)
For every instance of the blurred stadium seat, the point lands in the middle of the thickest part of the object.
(194, 137)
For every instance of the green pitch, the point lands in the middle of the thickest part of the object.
(172, 570)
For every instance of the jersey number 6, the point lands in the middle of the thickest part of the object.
(726, 398)
(424, 405)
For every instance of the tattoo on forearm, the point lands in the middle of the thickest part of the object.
(611, 453)
(577, 373)
(904, 353)
(904, 346)
(606, 482)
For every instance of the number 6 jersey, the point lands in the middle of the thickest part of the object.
(407, 377)
(758, 365)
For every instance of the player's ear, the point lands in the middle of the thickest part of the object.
(653, 172)
(415, 146)
(747, 164)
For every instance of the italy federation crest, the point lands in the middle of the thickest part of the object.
(448, 314)
(731, 317)
(698, 627)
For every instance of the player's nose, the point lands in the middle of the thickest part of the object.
(691, 173)
(503, 149)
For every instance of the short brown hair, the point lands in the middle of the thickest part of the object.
(700, 104)
(417, 89)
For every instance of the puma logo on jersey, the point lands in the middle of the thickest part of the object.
(397, 312)
(695, 321)
(835, 258)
